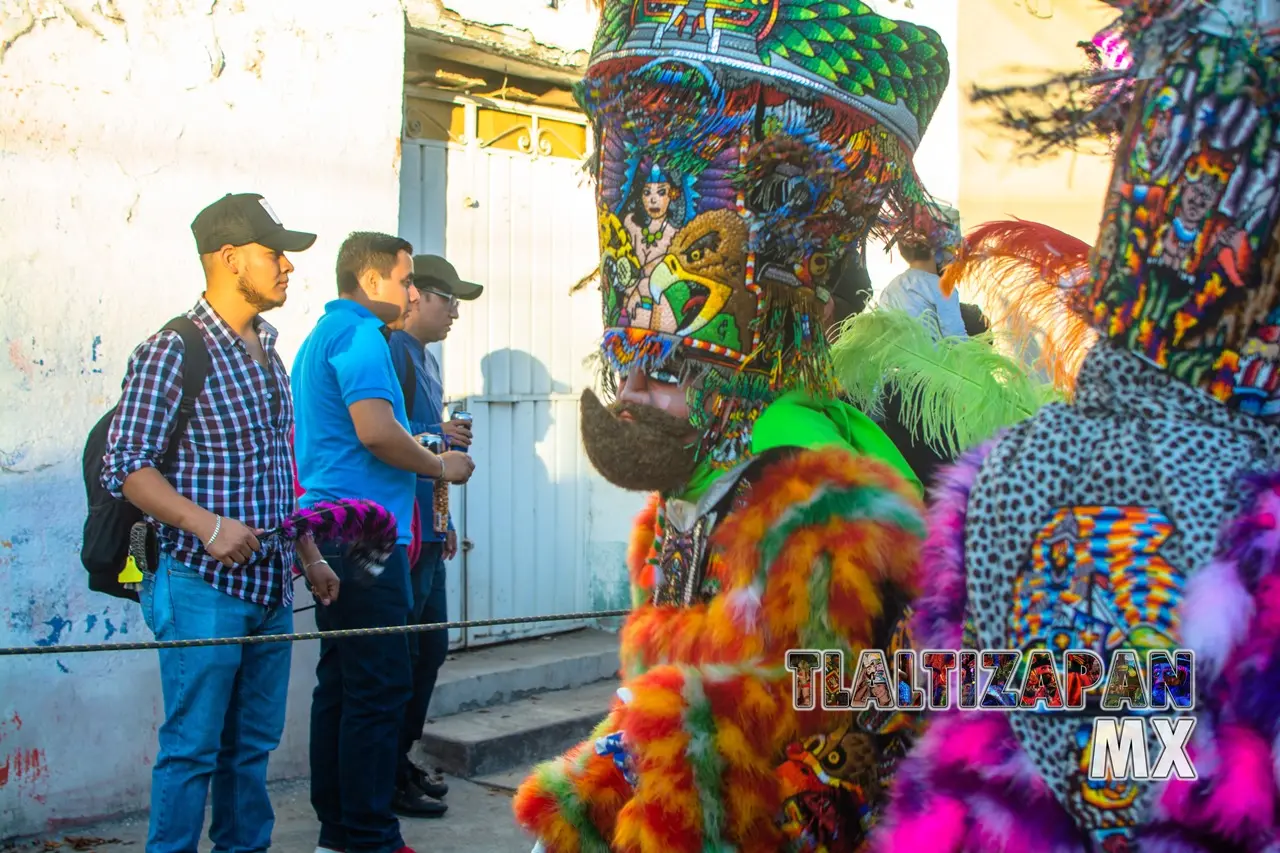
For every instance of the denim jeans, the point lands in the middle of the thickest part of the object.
(427, 649)
(362, 687)
(224, 709)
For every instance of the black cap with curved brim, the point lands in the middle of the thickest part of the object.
(432, 272)
(241, 219)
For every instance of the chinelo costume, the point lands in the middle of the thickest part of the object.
(1144, 514)
(743, 148)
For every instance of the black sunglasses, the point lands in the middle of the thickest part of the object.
(448, 297)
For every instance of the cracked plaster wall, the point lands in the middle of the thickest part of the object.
(118, 122)
(570, 27)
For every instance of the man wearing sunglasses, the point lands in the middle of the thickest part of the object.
(428, 320)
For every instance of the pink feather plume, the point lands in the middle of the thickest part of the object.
(366, 528)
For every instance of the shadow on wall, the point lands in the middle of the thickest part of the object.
(532, 512)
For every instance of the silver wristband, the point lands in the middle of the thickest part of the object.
(217, 526)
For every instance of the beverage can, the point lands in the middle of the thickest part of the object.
(465, 417)
(440, 490)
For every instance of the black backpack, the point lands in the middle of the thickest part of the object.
(109, 522)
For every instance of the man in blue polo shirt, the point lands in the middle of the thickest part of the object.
(352, 441)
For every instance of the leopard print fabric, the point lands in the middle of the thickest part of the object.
(1083, 526)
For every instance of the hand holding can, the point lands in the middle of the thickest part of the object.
(458, 431)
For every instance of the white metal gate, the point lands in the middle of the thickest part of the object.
(499, 190)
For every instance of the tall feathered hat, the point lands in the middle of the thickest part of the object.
(744, 146)
(1184, 271)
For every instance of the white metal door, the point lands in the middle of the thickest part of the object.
(424, 171)
(518, 217)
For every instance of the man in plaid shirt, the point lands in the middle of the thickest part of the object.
(232, 479)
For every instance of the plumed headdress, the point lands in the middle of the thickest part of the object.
(744, 148)
(1184, 271)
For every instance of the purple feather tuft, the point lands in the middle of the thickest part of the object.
(1237, 804)
(367, 529)
(1216, 613)
(939, 611)
(969, 787)
(1231, 615)
(1252, 538)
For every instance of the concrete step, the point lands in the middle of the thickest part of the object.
(494, 740)
(507, 780)
(497, 675)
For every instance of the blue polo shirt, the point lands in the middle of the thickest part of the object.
(344, 360)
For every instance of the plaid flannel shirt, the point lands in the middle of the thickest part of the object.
(235, 460)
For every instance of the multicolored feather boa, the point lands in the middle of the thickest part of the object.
(365, 527)
(809, 561)
(968, 786)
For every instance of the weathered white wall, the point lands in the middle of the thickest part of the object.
(570, 27)
(109, 145)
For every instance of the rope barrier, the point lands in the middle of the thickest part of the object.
(25, 651)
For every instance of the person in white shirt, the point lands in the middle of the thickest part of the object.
(918, 292)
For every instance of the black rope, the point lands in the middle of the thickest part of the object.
(24, 651)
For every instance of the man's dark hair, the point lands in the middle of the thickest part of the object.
(915, 250)
(850, 286)
(366, 250)
(975, 322)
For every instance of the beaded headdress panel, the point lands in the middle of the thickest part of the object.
(1184, 271)
(744, 148)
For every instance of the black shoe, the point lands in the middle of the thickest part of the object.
(430, 783)
(410, 802)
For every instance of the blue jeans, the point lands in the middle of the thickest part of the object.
(427, 649)
(224, 709)
(357, 711)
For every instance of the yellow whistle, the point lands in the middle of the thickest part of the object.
(130, 575)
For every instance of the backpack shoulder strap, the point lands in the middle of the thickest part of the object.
(195, 368)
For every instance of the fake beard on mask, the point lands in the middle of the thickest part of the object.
(654, 451)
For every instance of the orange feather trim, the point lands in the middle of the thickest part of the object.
(797, 480)
(748, 715)
(664, 814)
(822, 538)
(700, 635)
(580, 782)
(1028, 278)
(640, 550)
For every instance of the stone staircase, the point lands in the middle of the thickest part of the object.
(499, 710)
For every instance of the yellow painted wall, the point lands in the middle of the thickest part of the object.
(1002, 42)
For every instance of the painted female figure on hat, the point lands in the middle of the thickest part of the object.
(653, 208)
(779, 517)
(1139, 518)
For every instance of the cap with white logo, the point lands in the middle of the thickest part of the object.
(237, 220)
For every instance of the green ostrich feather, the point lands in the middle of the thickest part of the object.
(707, 765)
(955, 393)
(817, 633)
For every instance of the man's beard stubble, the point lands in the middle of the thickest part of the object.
(654, 451)
(255, 299)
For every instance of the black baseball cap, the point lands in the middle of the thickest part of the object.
(243, 218)
(432, 272)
